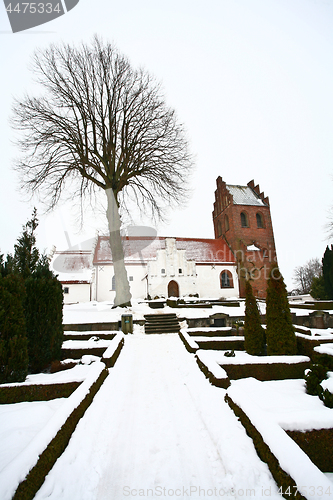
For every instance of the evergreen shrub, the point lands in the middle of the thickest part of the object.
(43, 311)
(313, 378)
(280, 333)
(13, 340)
(253, 331)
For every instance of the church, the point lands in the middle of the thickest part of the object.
(161, 267)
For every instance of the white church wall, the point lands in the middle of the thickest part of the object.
(76, 292)
(104, 275)
(208, 281)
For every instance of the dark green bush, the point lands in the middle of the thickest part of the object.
(13, 340)
(313, 378)
(280, 334)
(327, 398)
(43, 311)
(253, 331)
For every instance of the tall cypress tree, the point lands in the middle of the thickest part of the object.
(253, 331)
(280, 333)
(328, 272)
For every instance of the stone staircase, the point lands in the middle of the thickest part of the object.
(161, 323)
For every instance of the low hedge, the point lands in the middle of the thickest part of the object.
(318, 445)
(218, 382)
(29, 393)
(85, 336)
(34, 480)
(323, 359)
(110, 362)
(305, 345)
(221, 345)
(78, 353)
(274, 371)
(282, 479)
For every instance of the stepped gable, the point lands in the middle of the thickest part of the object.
(242, 218)
(144, 249)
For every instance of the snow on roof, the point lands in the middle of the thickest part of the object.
(244, 195)
(72, 266)
(143, 249)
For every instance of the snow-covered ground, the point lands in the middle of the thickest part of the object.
(19, 425)
(158, 428)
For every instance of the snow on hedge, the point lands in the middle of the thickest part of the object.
(15, 472)
(277, 405)
(113, 345)
(242, 357)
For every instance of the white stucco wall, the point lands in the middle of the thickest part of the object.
(103, 282)
(77, 292)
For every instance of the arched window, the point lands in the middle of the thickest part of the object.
(244, 220)
(226, 223)
(260, 220)
(226, 280)
(113, 283)
(219, 228)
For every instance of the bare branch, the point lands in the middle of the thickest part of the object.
(100, 124)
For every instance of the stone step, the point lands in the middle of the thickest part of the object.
(161, 323)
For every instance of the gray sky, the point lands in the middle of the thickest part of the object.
(251, 80)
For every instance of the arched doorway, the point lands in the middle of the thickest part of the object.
(173, 289)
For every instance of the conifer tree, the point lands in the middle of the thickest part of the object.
(280, 333)
(26, 254)
(13, 340)
(328, 272)
(253, 331)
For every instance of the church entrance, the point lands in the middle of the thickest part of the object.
(173, 289)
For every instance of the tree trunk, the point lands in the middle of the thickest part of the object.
(123, 294)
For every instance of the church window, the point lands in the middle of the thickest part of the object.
(162, 271)
(219, 228)
(66, 289)
(244, 220)
(226, 280)
(180, 271)
(260, 220)
(130, 278)
(226, 223)
(113, 286)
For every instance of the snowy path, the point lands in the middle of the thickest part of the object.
(157, 428)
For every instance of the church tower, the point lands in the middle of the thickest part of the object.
(242, 217)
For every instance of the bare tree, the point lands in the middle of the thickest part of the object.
(303, 275)
(101, 125)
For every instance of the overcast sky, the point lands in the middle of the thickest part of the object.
(252, 82)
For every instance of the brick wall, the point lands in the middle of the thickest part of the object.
(228, 225)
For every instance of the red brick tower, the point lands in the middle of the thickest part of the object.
(242, 218)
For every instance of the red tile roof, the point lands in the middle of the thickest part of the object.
(143, 249)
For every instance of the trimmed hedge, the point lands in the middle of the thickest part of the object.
(29, 393)
(78, 353)
(34, 480)
(323, 359)
(272, 371)
(218, 382)
(318, 445)
(221, 345)
(282, 479)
